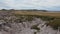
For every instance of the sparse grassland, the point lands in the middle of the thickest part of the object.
(53, 14)
(52, 17)
(18, 21)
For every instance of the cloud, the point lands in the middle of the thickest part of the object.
(30, 4)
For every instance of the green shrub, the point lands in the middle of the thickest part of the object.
(35, 27)
(54, 24)
(34, 32)
(29, 18)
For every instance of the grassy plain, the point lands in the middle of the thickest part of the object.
(52, 17)
(53, 14)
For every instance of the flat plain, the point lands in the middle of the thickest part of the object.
(53, 14)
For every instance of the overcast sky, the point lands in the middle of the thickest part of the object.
(30, 4)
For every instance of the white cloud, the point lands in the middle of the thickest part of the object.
(30, 3)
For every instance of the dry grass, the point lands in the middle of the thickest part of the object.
(52, 17)
(53, 14)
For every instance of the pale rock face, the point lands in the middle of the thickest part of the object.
(27, 31)
(25, 27)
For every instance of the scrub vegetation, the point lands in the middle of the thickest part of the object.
(53, 18)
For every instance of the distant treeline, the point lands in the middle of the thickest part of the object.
(23, 10)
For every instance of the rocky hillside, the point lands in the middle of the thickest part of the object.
(24, 24)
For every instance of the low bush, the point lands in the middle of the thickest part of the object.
(35, 27)
(54, 24)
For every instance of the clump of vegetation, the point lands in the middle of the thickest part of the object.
(34, 32)
(55, 23)
(26, 17)
(29, 18)
(46, 18)
(35, 27)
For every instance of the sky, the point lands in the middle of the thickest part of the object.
(30, 4)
